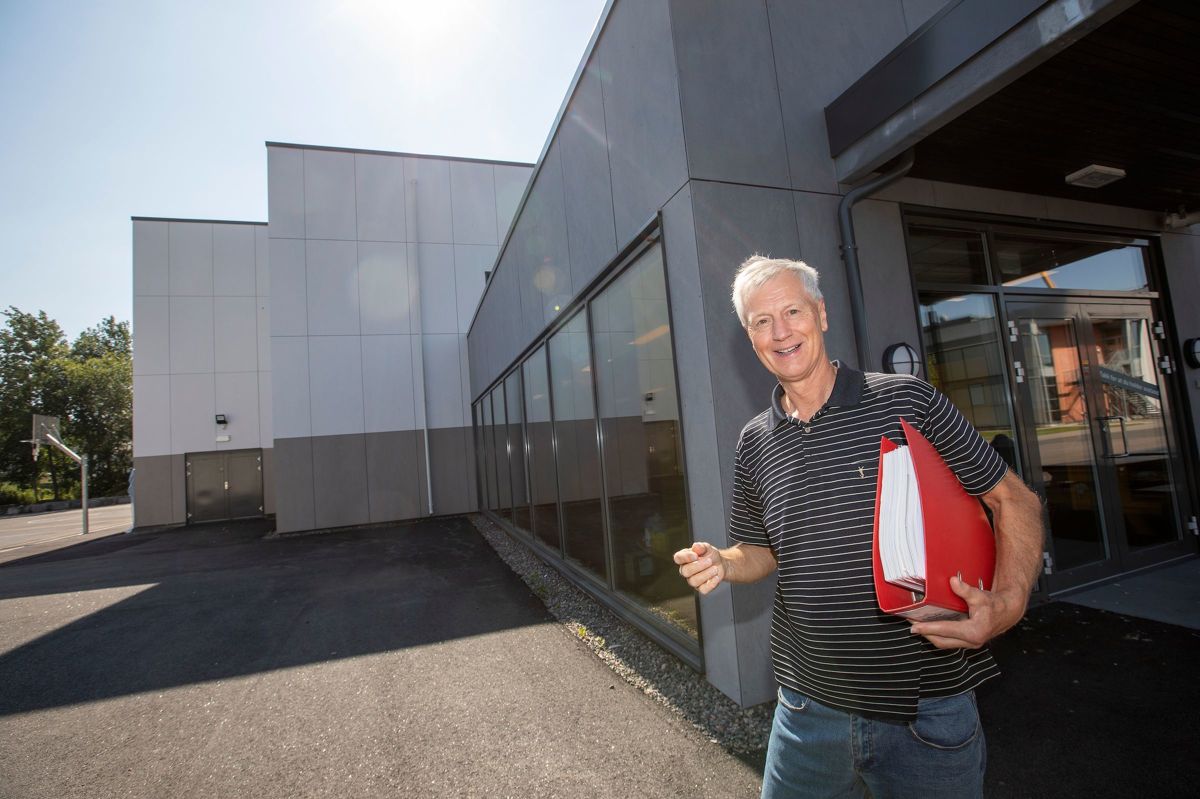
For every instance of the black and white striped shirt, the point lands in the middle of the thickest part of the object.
(807, 490)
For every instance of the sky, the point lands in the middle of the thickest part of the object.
(116, 109)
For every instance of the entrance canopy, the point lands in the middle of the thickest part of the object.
(1019, 94)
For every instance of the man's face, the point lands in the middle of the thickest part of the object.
(787, 328)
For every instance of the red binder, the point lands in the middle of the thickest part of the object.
(958, 538)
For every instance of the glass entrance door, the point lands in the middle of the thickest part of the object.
(1096, 429)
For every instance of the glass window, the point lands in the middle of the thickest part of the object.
(489, 452)
(1047, 263)
(947, 255)
(543, 482)
(640, 433)
(516, 441)
(965, 361)
(503, 460)
(578, 458)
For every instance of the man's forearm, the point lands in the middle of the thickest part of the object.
(746, 563)
(1019, 540)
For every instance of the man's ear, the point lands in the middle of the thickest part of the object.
(821, 312)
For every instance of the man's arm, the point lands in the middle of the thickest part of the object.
(1017, 518)
(705, 567)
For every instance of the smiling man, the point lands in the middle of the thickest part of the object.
(869, 704)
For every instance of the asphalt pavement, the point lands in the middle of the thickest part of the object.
(25, 534)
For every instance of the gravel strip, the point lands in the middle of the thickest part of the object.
(637, 659)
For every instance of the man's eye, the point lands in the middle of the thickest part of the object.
(761, 324)
(793, 311)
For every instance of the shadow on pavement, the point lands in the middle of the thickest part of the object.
(221, 601)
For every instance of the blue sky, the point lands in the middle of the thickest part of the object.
(119, 109)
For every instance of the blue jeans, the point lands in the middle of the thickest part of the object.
(816, 751)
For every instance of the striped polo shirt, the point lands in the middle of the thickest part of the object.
(807, 490)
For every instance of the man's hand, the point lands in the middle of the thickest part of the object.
(702, 566)
(988, 614)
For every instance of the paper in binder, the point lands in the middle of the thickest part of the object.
(927, 529)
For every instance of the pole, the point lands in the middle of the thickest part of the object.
(83, 471)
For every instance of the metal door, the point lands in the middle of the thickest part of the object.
(224, 485)
(244, 490)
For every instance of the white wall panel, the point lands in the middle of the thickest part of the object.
(151, 415)
(285, 192)
(428, 211)
(263, 333)
(266, 426)
(439, 303)
(335, 381)
(235, 333)
(473, 198)
(289, 387)
(149, 258)
(418, 376)
(443, 380)
(510, 185)
(387, 368)
(383, 287)
(328, 195)
(236, 396)
(191, 259)
(289, 288)
(191, 334)
(332, 268)
(262, 262)
(470, 262)
(380, 192)
(193, 428)
(151, 336)
(233, 260)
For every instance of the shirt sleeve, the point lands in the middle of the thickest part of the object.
(978, 467)
(746, 513)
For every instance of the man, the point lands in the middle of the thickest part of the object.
(869, 704)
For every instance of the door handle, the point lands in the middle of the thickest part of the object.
(226, 485)
(1104, 420)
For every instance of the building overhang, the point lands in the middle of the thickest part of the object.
(1019, 94)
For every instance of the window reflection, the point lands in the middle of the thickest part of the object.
(489, 452)
(578, 458)
(965, 361)
(500, 431)
(1046, 263)
(516, 441)
(643, 459)
(543, 483)
(947, 255)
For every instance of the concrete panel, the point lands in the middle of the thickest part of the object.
(192, 408)
(151, 415)
(233, 261)
(290, 415)
(820, 241)
(518, 276)
(151, 336)
(178, 489)
(262, 320)
(289, 288)
(546, 246)
(150, 269)
(191, 334)
(389, 402)
(989, 201)
(449, 451)
(508, 318)
(918, 12)
(329, 195)
(266, 426)
(815, 62)
(510, 185)
(439, 303)
(336, 384)
(883, 261)
(1097, 214)
(268, 467)
(587, 182)
(731, 116)
(473, 203)
(384, 298)
(340, 497)
(190, 259)
(293, 485)
(235, 334)
(236, 396)
(379, 192)
(443, 380)
(641, 109)
(428, 207)
(332, 279)
(152, 500)
(464, 376)
(285, 192)
(395, 475)
(471, 261)
(262, 262)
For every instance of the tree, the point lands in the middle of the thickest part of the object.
(32, 348)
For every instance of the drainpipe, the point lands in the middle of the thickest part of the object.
(850, 249)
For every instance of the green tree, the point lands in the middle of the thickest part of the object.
(32, 349)
(99, 409)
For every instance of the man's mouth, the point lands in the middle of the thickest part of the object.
(788, 351)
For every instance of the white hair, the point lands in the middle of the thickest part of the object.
(758, 269)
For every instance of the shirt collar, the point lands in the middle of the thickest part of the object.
(847, 391)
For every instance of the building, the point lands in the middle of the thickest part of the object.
(955, 150)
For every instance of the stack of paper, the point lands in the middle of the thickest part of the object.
(901, 525)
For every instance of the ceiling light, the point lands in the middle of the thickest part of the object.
(1094, 176)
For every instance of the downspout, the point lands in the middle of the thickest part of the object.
(858, 311)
